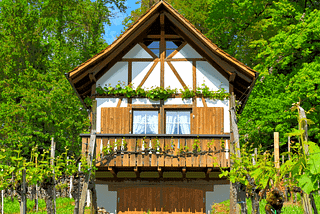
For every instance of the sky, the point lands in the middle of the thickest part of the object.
(111, 32)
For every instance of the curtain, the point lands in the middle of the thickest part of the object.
(171, 122)
(152, 122)
(139, 121)
(145, 122)
(178, 122)
(184, 122)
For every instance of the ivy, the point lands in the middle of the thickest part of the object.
(160, 93)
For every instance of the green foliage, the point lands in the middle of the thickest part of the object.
(42, 40)
(160, 93)
(64, 205)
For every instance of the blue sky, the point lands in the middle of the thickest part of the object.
(111, 32)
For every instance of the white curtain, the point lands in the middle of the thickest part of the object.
(171, 123)
(178, 122)
(152, 122)
(145, 122)
(139, 121)
(184, 122)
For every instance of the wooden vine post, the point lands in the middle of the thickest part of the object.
(235, 196)
(303, 125)
(92, 146)
(53, 148)
(276, 150)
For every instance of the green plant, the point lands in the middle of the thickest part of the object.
(159, 93)
(209, 144)
(196, 145)
(187, 93)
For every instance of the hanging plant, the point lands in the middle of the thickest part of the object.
(160, 93)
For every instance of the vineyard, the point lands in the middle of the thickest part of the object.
(257, 174)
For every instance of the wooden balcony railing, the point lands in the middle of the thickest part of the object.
(160, 150)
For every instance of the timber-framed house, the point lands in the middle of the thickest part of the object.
(160, 154)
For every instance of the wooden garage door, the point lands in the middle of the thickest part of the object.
(156, 199)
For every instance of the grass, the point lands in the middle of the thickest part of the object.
(64, 206)
(223, 207)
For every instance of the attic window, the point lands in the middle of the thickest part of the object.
(170, 47)
(155, 47)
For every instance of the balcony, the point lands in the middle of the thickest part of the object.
(159, 150)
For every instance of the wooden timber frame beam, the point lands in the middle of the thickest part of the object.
(118, 47)
(90, 156)
(191, 39)
(162, 59)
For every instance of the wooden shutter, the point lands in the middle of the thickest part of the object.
(115, 120)
(207, 120)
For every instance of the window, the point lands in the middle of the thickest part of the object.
(155, 47)
(145, 122)
(170, 47)
(177, 122)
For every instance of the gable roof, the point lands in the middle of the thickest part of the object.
(242, 77)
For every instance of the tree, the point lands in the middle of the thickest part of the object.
(42, 40)
(280, 41)
(195, 11)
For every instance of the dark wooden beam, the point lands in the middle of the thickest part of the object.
(113, 171)
(184, 170)
(160, 172)
(136, 170)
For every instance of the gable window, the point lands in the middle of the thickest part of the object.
(178, 122)
(145, 122)
(155, 47)
(170, 47)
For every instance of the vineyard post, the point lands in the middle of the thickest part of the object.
(70, 195)
(276, 150)
(2, 195)
(303, 125)
(36, 199)
(53, 148)
(235, 149)
(91, 152)
(23, 205)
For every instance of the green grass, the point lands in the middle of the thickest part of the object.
(289, 209)
(64, 206)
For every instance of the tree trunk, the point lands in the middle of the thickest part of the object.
(23, 205)
(76, 192)
(94, 206)
(307, 208)
(313, 204)
(48, 188)
(275, 199)
(255, 202)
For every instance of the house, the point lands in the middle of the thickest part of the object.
(160, 154)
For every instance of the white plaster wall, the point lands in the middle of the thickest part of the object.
(184, 70)
(139, 71)
(170, 80)
(102, 103)
(106, 199)
(139, 101)
(207, 74)
(199, 102)
(153, 79)
(137, 52)
(225, 105)
(187, 52)
(124, 102)
(177, 101)
(118, 72)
